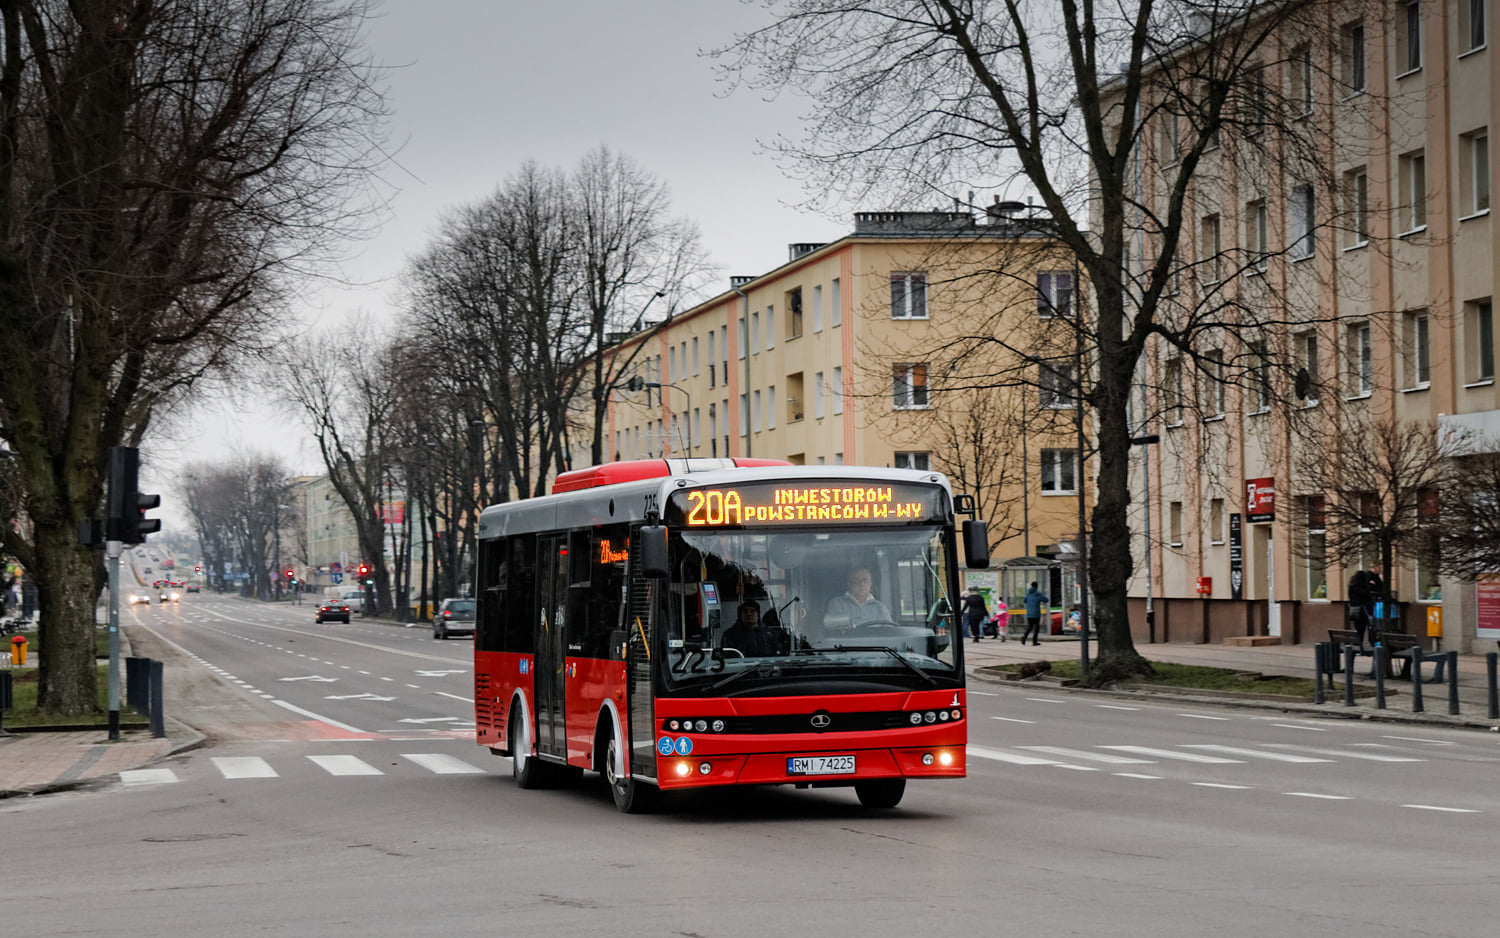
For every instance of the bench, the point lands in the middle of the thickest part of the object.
(1398, 646)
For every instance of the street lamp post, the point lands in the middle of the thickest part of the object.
(1147, 440)
(687, 417)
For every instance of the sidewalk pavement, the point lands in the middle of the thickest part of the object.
(34, 763)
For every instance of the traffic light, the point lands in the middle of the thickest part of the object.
(290, 578)
(126, 508)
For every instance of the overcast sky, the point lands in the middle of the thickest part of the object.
(477, 87)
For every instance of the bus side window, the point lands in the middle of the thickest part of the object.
(519, 617)
(490, 634)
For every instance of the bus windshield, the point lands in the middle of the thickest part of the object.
(866, 608)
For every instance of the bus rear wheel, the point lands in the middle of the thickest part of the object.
(631, 796)
(882, 793)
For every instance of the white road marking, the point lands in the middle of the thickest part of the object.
(1086, 755)
(315, 678)
(1436, 807)
(1114, 707)
(244, 767)
(1046, 699)
(345, 765)
(1138, 775)
(455, 696)
(1181, 756)
(1294, 726)
(1012, 720)
(321, 719)
(442, 764)
(1348, 753)
(1202, 716)
(1013, 758)
(1075, 768)
(982, 693)
(133, 777)
(375, 697)
(1255, 753)
(429, 720)
(439, 673)
(1313, 794)
(1222, 785)
(1418, 739)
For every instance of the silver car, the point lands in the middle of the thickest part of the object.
(453, 617)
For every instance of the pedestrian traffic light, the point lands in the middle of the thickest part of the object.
(125, 519)
(364, 570)
(289, 576)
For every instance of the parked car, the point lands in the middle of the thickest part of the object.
(453, 617)
(332, 612)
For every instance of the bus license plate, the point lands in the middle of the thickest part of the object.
(820, 765)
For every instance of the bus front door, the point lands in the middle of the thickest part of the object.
(552, 586)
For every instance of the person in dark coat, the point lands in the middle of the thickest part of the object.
(749, 636)
(1362, 593)
(975, 612)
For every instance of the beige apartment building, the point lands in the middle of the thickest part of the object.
(1380, 256)
(846, 355)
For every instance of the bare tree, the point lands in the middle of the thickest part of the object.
(1381, 479)
(1470, 514)
(913, 99)
(236, 508)
(165, 167)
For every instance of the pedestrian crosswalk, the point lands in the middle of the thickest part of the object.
(336, 764)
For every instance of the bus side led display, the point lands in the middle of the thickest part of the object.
(772, 504)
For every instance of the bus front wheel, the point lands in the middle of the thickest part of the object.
(882, 793)
(525, 769)
(631, 796)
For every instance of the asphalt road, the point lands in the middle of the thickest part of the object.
(321, 807)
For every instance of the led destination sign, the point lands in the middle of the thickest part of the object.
(775, 503)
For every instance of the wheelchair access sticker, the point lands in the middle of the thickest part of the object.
(681, 746)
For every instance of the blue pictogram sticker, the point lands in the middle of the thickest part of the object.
(684, 745)
(664, 746)
(525, 665)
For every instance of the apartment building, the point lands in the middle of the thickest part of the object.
(845, 355)
(1374, 258)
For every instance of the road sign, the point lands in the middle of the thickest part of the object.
(335, 567)
(336, 577)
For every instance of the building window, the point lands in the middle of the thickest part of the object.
(908, 296)
(770, 407)
(912, 460)
(1256, 233)
(755, 415)
(909, 383)
(1260, 364)
(770, 327)
(755, 333)
(1172, 391)
(1216, 521)
(1358, 377)
(695, 356)
(1307, 359)
(1409, 36)
(795, 397)
(1316, 550)
(1474, 172)
(837, 391)
(1471, 24)
(1413, 194)
(1302, 221)
(818, 391)
(1174, 524)
(1215, 383)
(1058, 471)
(817, 308)
(744, 413)
(744, 337)
(1352, 57)
(1302, 81)
(1357, 207)
(1168, 144)
(1054, 294)
(1209, 249)
(794, 313)
(1416, 349)
(835, 304)
(1055, 384)
(1479, 339)
(1256, 112)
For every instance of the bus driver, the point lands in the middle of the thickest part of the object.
(857, 606)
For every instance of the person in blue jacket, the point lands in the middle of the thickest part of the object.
(1036, 605)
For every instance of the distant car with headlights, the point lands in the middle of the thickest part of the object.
(453, 617)
(138, 599)
(332, 612)
(170, 596)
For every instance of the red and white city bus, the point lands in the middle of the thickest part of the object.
(605, 637)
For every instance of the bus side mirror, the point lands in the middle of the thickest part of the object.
(654, 552)
(976, 545)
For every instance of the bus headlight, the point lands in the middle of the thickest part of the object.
(945, 758)
(927, 758)
(683, 769)
(916, 718)
(704, 768)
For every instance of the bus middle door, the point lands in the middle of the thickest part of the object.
(551, 649)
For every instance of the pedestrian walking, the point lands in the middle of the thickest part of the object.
(975, 612)
(1362, 592)
(1036, 605)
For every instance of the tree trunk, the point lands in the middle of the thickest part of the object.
(65, 659)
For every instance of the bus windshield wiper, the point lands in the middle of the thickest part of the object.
(894, 654)
(764, 668)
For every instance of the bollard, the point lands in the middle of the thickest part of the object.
(158, 720)
(1320, 664)
(1348, 676)
(5, 699)
(1416, 679)
(1490, 669)
(18, 650)
(1453, 683)
(1379, 657)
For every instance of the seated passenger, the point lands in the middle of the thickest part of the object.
(750, 636)
(857, 606)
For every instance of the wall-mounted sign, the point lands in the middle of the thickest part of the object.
(1260, 499)
(1236, 557)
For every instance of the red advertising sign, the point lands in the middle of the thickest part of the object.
(1487, 615)
(1260, 499)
